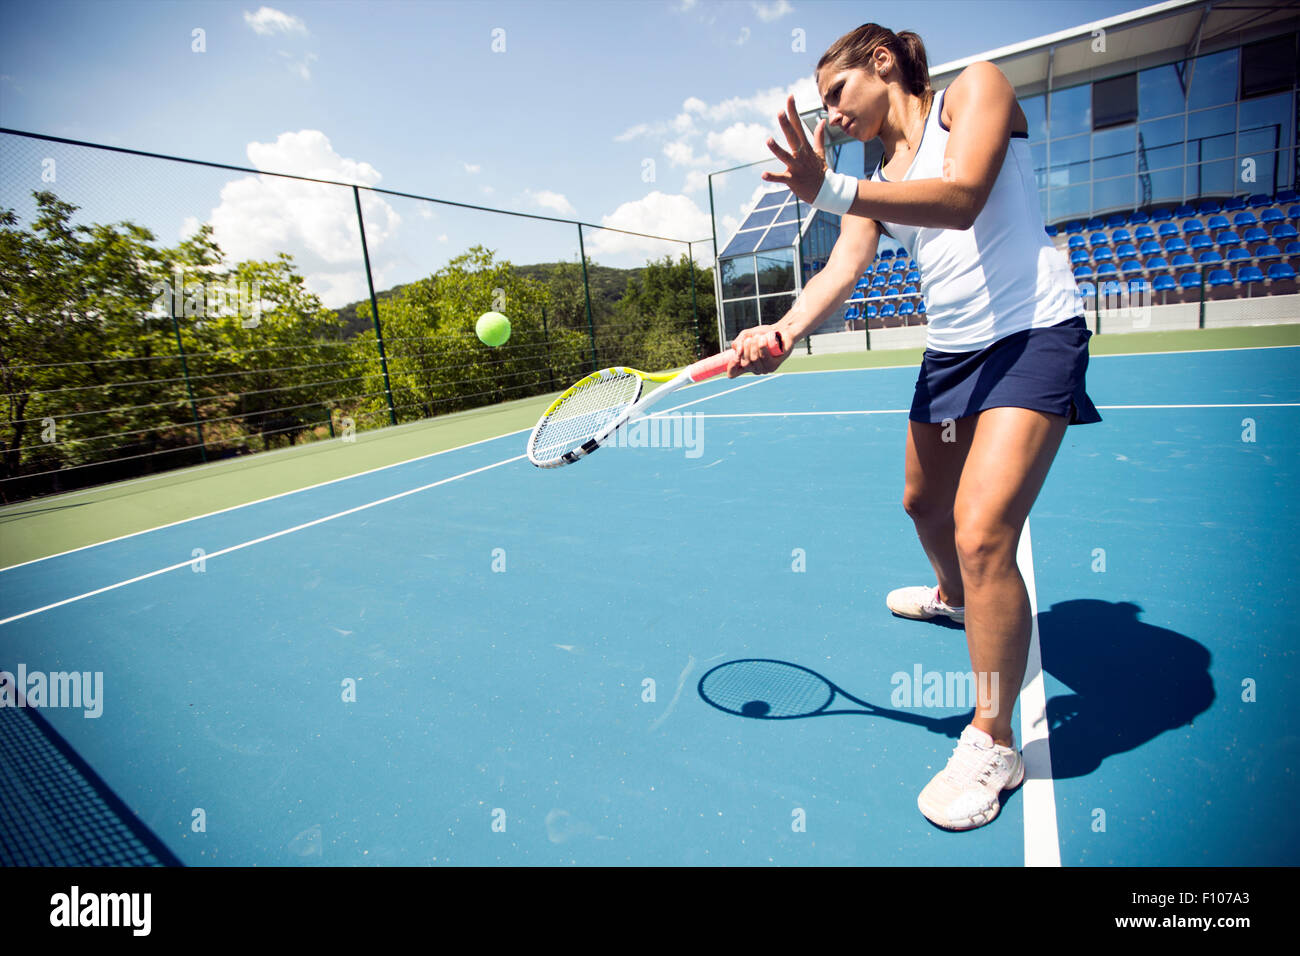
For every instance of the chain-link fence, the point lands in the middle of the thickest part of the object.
(157, 312)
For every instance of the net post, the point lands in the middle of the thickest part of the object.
(185, 370)
(586, 292)
(374, 308)
(695, 306)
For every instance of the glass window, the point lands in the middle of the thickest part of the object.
(1165, 132)
(1114, 101)
(1036, 113)
(1160, 92)
(1268, 65)
(739, 315)
(1070, 202)
(1214, 80)
(1267, 116)
(760, 217)
(1267, 170)
(1038, 152)
(1113, 142)
(1165, 185)
(773, 308)
(791, 212)
(1163, 157)
(773, 199)
(1121, 165)
(850, 159)
(737, 277)
(779, 236)
(1211, 133)
(1112, 194)
(1072, 111)
(743, 242)
(1067, 151)
(776, 271)
(1212, 178)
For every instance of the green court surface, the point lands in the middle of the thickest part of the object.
(34, 529)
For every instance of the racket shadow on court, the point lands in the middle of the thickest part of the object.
(766, 689)
(1130, 681)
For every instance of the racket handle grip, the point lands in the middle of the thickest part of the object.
(722, 362)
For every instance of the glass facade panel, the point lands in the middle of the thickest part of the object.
(773, 308)
(738, 277)
(778, 236)
(1065, 152)
(1110, 194)
(1164, 185)
(743, 242)
(739, 315)
(1068, 203)
(1212, 179)
(1035, 108)
(1268, 115)
(1120, 165)
(1164, 156)
(1214, 80)
(1160, 92)
(1071, 111)
(1165, 132)
(776, 271)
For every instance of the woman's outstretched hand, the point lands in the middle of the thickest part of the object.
(806, 165)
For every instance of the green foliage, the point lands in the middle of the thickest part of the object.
(116, 354)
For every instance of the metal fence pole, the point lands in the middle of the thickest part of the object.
(586, 291)
(695, 306)
(185, 369)
(374, 308)
(546, 333)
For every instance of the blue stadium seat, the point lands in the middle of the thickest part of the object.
(1250, 275)
(1189, 280)
(1237, 253)
(861, 284)
(1161, 215)
(1227, 238)
(1051, 230)
(875, 294)
(1285, 196)
(1157, 262)
(1292, 249)
(1268, 251)
(888, 310)
(912, 276)
(893, 290)
(1201, 241)
(1208, 206)
(1143, 233)
(1254, 234)
(1102, 253)
(1115, 220)
(1077, 242)
(1120, 235)
(1244, 218)
(873, 312)
(1164, 283)
(1130, 266)
(1107, 269)
(911, 290)
(1272, 215)
(1182, 261)
(1126, 250)
(1219, 277)
(1138, 218)
(1087, 289)
(1150, 248)
(1293, 212)
(879, 282)
(1284, 232)
(1083, 272)
(1167, 229)
(920, 307)
(1233, 204)
(1193, 226)
(1176, 244)
(852, 313)
(1216, 223)
(1098, 239)
(1281, 270)
(1185, 211)
(885, 254)
(1259, 199)
(907, 308)
(1074, 226)
(1096, 222)
(1111, 290)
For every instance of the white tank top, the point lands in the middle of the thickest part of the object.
(1002, 275)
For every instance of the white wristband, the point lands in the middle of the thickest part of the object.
(837, 193)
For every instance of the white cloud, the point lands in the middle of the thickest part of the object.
(267, 21)
(681, 153)
(471, 167)
(261, 216)
(744, 36)
(742, 142)
(696, 181)
(694, 104)
(640, 129)
(658, 214)
(554, 201)
(301, 67)
(767, 12)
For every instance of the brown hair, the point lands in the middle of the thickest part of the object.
(854, 51)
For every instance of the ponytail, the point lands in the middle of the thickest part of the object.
(854, 50)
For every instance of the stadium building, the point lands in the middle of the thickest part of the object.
(1164, 146)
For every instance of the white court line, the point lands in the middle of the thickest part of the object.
(268, 537)
(1042, 840)
(904, 411)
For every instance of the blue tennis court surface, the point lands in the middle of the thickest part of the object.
(466, 660)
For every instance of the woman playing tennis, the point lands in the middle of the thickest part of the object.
(1006, 351)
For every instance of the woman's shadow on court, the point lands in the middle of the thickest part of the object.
(1131, 681)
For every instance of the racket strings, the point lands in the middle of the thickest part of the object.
(585, 413)
(787, 691)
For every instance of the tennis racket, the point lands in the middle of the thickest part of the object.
(585, 416)
(765, 689)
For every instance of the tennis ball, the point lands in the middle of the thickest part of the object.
(493, 329)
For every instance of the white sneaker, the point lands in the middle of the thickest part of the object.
(921, 604)
(964, 795)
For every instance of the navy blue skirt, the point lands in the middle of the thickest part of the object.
(1042, 369)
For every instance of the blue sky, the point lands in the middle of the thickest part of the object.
(611, 112)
